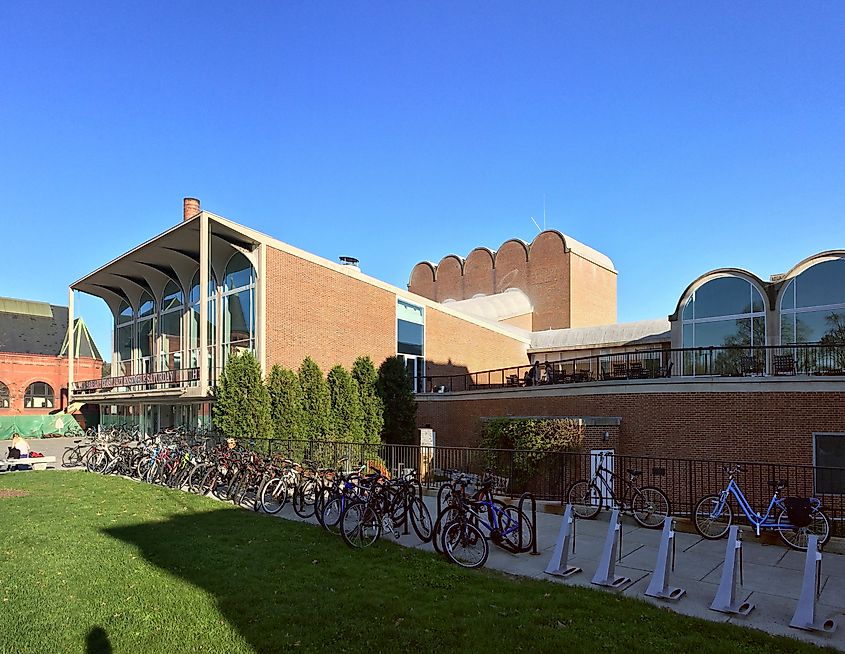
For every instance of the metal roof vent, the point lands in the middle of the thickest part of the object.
(349, 261)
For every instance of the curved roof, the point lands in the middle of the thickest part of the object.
(642, 331)
(715, 274)
(588, 253)
(500, 306)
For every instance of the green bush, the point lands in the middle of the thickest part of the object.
(400, 410)
(364, 372)
(242, 403)
(535, 438)
(316, 402)
(346, 417)
(285, 403)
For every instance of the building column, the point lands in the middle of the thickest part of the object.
(203, 274)
(71, 350)
(261, 310)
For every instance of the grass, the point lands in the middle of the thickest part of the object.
(94, 564)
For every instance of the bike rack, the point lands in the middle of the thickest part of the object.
(659, 584)
(606, 571)
(725, 600)
(805, 612)
(558, 565)
(522, 499)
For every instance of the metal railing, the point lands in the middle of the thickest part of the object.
(727, 361)
(548, 475)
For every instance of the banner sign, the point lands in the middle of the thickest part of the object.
(163, 377)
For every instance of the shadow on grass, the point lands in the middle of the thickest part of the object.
(97, 642)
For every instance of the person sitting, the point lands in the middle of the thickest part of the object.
(19, 450)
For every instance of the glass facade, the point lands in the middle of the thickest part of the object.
(723, 312)
(812, 307)
(410, 341)
(238, 306)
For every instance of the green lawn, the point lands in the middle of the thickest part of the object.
(89, 561)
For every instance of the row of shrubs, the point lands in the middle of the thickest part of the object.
(363, 405)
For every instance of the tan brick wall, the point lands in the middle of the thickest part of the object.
(478, 273)
(765, 426)
(549, 291)
(593, 293)
(454, 346)
(523, 322)
(331, 317)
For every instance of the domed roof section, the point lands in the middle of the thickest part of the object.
(500, 306)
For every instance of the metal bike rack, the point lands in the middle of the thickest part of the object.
(606, 571)
(659, 584)
(522, 499)
(725, 600)
(805, 612)
(558, 565)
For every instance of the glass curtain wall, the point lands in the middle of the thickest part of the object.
(123, 340)
(726, 312)
(146, 333)
(410, 341)
(194, 323)
(238, 306)
(170, 328)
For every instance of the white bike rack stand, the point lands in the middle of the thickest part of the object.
(805, 612)
(606, 572)
(558, 566)
(659, 584)
(725, 600)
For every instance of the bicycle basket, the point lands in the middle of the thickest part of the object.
(799, 510)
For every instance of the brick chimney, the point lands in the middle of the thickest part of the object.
(190, 208)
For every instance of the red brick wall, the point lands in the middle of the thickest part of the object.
(765, 426)
(593, 293)
(422, 280)
(18, 371)
(331, 317)
(549, 291)
(478, 273)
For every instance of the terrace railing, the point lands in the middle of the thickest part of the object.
(147, 381)
(728, 361)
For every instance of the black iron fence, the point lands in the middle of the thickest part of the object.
(548, 475)
(735, 361)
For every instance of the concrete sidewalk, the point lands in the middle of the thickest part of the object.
(772, 573)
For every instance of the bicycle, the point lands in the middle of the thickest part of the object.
(793, 522)
(647, 504)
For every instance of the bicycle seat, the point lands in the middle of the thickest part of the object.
(780, 483)
(635, 473)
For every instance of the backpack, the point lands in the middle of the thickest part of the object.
(799, 511)
(14, 453)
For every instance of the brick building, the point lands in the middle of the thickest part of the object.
(34, 366)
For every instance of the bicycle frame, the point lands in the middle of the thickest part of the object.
(757, 520)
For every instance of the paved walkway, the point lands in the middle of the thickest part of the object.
(772, 573)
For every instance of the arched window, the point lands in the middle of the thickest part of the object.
(170, 327)
(39, 395)
(146, 332)
(4, 396)
(726, 311)
(812, 305)
(123, 339)
(238, 306)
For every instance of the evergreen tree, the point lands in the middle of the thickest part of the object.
(364, 372)
(285, 403)
(346, 418)
(400, 409)
(242, 403)
(316, 401)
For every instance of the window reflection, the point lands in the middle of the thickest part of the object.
(813, 305)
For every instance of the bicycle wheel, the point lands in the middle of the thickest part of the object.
(304, 497)
(421, 520)
(710, 521)
(273, 495)
(359, 525)
(797, 538)
(516, 529)
(331, 514)
(650, 507)
(446, 516)
(585, 498)
(71, 458)
(97, 461)
(464, 544)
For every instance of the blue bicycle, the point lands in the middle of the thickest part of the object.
(794, 519)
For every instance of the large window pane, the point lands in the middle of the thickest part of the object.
(821, 284)
(830, 453)
(238, 273)
(813, 326)
(123, 336)
(410, 338)
(724, 296)
(238, 317)
(171, 341)
(172, 297)
(787, 328)
(723, 332)
(145, 338)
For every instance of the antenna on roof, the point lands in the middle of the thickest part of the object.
(535, 223)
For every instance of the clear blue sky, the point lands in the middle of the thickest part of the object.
(674, 138)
